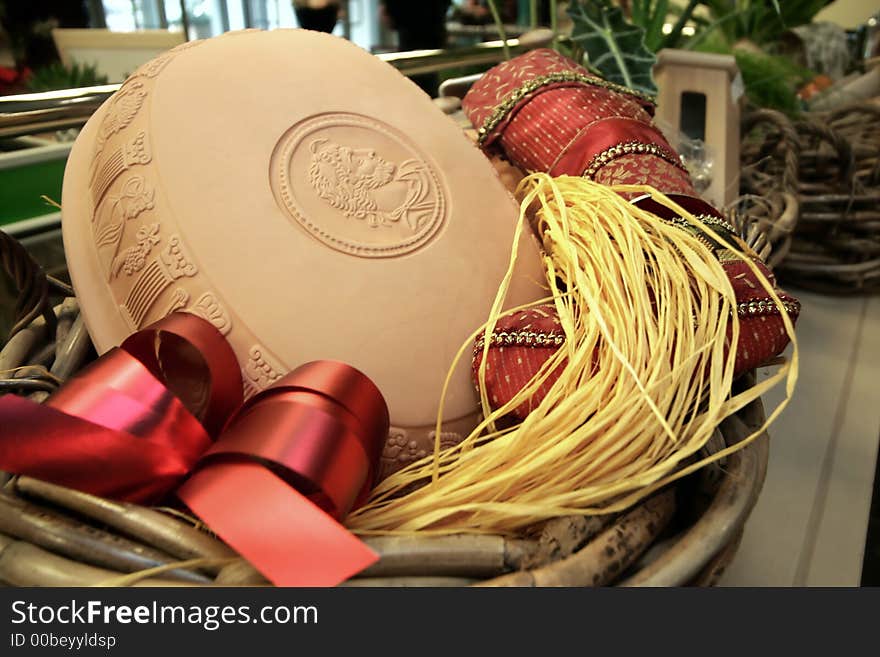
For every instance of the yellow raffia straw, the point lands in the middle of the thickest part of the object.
(645, 310)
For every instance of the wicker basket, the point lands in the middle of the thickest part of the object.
(815, 183)
(53, 536)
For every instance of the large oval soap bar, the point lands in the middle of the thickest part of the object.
(311, 203)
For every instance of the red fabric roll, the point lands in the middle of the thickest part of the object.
(762, 336)
(646, 170)
(511, 362)
(558, 127)
(544, 112)
(543, 123)
(501, 81)
(509, 367)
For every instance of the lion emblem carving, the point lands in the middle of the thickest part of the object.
(364, 186)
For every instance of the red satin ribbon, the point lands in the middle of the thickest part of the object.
(320, 431)
(290, 463)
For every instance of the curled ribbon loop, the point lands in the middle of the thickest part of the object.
(195, 362)
(302, 449)
(117, 429)
(143, 418)
(309, 427)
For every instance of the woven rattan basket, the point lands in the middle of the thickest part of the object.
(815, 184)
(53, 536)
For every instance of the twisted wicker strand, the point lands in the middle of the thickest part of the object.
(30, 281)
(766, 214)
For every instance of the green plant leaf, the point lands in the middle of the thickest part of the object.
(654, 28)
(719, 26)
(771, 80)
(673, 39)
(760, 21)
(499, 24)
(57, 76)
(614, 47)
(639, 11)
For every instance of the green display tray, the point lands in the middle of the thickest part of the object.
(31, 170)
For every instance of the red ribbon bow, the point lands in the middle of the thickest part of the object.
(288, 465)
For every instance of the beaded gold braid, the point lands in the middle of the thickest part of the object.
(720, 225)
(514, 338)
(630, 148)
